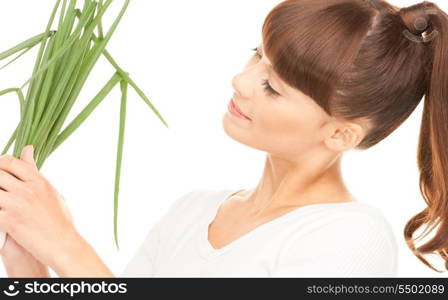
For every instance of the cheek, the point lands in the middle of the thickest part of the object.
(286, 129)
(286, 121)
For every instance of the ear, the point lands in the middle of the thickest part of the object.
(342, 136)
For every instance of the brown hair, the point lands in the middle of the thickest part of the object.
(367, 59)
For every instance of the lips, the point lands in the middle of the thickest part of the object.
(233, 103)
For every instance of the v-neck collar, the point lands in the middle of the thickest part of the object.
(206, 249)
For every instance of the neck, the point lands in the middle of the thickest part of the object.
(285, 183)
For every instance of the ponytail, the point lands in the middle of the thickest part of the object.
(433, 140)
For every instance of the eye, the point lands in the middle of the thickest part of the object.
(267, 87)
(269, 90)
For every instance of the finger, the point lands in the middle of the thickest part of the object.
(9, 183)
(27, 155)
(19, 168)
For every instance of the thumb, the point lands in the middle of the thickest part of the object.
(28, 154)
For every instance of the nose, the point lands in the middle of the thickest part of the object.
(244, 82)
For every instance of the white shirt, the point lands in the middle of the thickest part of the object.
(349, 239)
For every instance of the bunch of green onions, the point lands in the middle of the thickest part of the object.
(64, 61)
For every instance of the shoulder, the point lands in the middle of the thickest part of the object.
(357, 224)
(368, 221)
(364, 223)
(354, 240)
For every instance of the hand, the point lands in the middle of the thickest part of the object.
(32, 212)
(20, 263)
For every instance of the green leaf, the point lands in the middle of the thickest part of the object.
(23, 45)
(15, 58)
(61, 52)
(124, 92)
(82, 116)
(84, 72)
(30, 104)
(21, 101)
(100, 25)
(25, 121)
(61, 89)
(133, 85)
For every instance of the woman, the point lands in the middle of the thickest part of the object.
(329, 76)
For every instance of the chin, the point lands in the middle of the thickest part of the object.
(237, 133)
(228, 127)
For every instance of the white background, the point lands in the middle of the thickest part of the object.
(183, 54)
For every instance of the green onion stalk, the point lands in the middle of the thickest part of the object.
(65, 58)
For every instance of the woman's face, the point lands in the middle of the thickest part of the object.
(283, 121)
